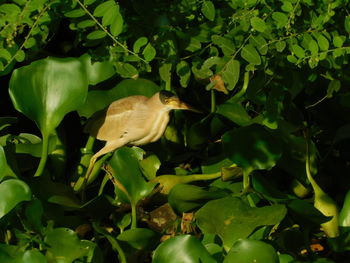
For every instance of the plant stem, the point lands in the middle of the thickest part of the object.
(44, 154)
(213, 102)
(133, 216)
(239, 94)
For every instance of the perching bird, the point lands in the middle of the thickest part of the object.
(134, 120)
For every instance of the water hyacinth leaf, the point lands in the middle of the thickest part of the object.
(258, 24)
(13, 192)
(47, 89)
(230, 73)
(150, 166)
(188, 250)
(208, 10)
(234, 219)
(250, 54)
(5, 169)
(139, 238)
(344, 215)
(183, 70)
(252, 147)
(126, 171)
(14, 254)
(64, 245)
(97, 71)
(250, 250)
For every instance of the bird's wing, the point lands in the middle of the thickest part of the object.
(112, 122)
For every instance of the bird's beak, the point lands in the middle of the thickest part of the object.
(184, 106)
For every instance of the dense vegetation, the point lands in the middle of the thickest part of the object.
(261, 174)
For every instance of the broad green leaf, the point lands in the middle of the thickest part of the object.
(338, 41)
(313, 47)
(230, 73)
(235, 112)
(250, 54)
(188, 250)
(103, 8)
(117, 22)
(99, 99)
(13, 192)
(98, 34)
(64, 245)
(149, 52)
(139, 238)
(280, 18)
(250, 250)
(252, 147)
(184, 198)
(126, 171)
(322, 42)
(183, 70)
(15, 254)
(97, 71)
(298, 51)
(5, 169)
(139, 43)
(258, 24)
(150, 166)
(126, 70)
(46, 90)
(208, 10)
(75, 13)
(234, 219)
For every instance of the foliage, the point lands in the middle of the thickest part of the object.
(260, 175)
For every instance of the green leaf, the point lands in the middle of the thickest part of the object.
(298, 51)
(338, 41)
(5, 170)
(208, 10)
(98, 34)
(117, 22)
(230, 73)
(280, 18)
(234, 219)
(126, 171)
(183, 70)
(149, 166)
(252, 147)
(322, 42)
(149, 52)
(280, 45)
(250, 54)
(139, 43)
(86, 23)
(97, 71)
(258, 24)
(250, 250)
(139, 238)
(4, 53)
(344, 215)
(226, 44)
(103, 8)
(13, 192)
(184, 197)
(46, 90)
(34, 211)
(14, 254)
(287, 6)
(347, 24)
(313, 47)
(75, 13)
(126, 70)
(333, 87)
(64, 245)
(235, 112)
(188, 250)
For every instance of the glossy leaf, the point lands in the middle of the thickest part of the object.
(13, 192)
(65, 246)
(139, 238)
(208, 10)
(126, 171)
(234, 219)
(185, 249)
(252, 147)
(14, 254)
(46, 90)
(250, 250)
(344, 215)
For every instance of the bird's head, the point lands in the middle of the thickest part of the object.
(173, 102)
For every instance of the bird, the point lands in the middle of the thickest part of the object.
(134, 120)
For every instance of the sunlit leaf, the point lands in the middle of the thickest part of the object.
(234, 219)
(322, 42)
(188, 250)
(250, 250)
(13, 192)
(103, 8)
(140, 42)
(258, 24)
(97, 71)
(98, 34)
